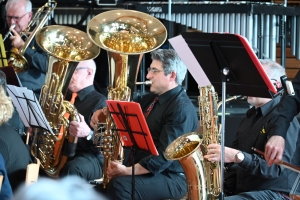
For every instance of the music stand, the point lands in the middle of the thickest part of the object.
(228, 61)
(132, 128)
(28, 107)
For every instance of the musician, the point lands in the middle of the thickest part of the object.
(172, 115)
(19, 12)
(87, 162)
(254, 178)
(15, 153)
(284, 113)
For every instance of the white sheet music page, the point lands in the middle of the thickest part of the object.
(187, 56)
(28, 107)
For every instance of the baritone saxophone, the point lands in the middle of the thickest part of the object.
(203, 177)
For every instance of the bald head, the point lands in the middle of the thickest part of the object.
(83, 75)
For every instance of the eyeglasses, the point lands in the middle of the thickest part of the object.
(79, 68)
(153, 70)
(8, 18)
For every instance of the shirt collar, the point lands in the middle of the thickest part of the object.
(84, 92)
(265, 108)
(167, 95)
(268, 106)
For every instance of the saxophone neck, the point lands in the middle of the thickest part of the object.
(231, 98)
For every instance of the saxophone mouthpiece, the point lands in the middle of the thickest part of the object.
(144, 83)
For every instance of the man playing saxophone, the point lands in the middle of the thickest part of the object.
(254, 178)
(19, 13)
(169, 114)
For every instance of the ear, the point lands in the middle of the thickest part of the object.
(173, 76)
(30, 16)
(90, 72)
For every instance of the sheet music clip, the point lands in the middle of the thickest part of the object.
(287, 85)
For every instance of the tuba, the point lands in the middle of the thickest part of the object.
(63, 44)
(126, 35)
(17, 60)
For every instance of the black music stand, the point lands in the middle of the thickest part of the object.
(28, 107)
(229, 62)
(132, 128)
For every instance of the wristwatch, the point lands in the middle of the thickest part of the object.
(239, 157)
(90, 135)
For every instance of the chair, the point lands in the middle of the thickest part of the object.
(32, 172)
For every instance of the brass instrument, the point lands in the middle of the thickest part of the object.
(12, 26)
(63, 44)
(17, 60)
(126, 35)
(203, 177)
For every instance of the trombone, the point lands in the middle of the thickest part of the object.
(17, 61)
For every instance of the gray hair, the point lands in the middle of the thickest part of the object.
(171, 63)
(273, 69)
(11, 3)
(67, 188)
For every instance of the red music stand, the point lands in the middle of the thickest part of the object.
(132, 128)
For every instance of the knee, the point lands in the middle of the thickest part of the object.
(118, 189)
(70, 169)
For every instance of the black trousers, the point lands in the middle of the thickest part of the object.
(147, 186)
(86, 165)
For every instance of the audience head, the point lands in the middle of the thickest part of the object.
(83, 75)
(6, 106)
(274, 72)
(18, 12)
(68, 188)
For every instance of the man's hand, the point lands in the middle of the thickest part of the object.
(98, 116)
(214, 153)
(79, 129)
(274, 149)
(116, 169)
(16, 40)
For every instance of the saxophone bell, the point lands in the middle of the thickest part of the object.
(12, 26)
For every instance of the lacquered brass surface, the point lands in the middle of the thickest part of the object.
(127, 32)
(66, 43)
(66, 46)
(203, 177)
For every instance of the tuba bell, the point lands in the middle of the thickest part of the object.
(17, 60)
(126, 35)
(66, 46)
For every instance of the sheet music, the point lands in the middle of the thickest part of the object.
(28, 107)
(186, 55)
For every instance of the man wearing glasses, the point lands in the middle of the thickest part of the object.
(19, 14)
(169, 114)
